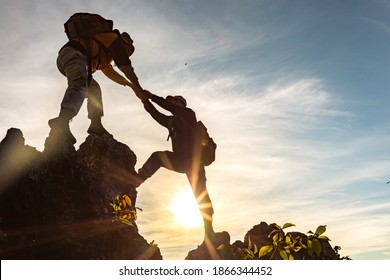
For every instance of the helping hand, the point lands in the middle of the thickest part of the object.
(144, 95)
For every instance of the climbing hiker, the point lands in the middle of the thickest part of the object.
(93, 45)
(183, 158)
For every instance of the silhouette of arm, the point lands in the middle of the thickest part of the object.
(159, 117)
(123, 62)
(113, 75)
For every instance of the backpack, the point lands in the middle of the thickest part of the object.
(86, 25)
(204, 144)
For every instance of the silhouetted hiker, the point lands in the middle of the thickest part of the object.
(93, 45)
(182, 157)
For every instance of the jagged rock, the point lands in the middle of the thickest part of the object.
(257, 237)
(16, 158)
(56, 204)
(216, 249)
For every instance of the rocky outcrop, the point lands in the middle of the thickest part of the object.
(255, 239)
(60, 204)
(55, 204)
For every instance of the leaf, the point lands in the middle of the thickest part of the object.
(255, 249)
(221, 247)
(286, 225)
(302, 245)
(288, 240)
(290, 257)
(297, 249)
(273, 232)
(317, 247)
(283, 254)
(128, 200)
(323, 237)
(276, 225)
(265, 250)
(310, 232)
(320, 230)
(249, 243)
(276, 238)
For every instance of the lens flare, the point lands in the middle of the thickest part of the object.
(186, 210)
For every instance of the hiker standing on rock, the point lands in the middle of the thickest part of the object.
(93, 45)
(183, 158)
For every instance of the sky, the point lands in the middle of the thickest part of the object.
(294, 93)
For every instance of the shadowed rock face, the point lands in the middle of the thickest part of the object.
(55, 204)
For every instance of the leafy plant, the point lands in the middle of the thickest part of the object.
(123, 210)
(286, 244)
(250, 252)
(313, 241)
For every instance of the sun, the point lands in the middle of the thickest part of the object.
(186, 210)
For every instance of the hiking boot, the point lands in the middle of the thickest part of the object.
(96, 127)
(62, 123)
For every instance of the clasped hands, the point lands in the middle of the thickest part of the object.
(143, 95)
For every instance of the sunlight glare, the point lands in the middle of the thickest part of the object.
(186, 210)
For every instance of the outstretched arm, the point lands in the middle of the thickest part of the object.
(159, 117)
(121, 58)
(128, 70)
(110, 72)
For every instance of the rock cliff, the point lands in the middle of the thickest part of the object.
(55, 204)
(64, 203)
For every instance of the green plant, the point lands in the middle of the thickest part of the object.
(123, 210)
(313, 241)
(251, 252)
(286, 244)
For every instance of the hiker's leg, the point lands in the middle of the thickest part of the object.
(94, 98)
(197, 179)
(73, 64)
(95, 108)
(166, 159)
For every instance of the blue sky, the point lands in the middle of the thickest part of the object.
(295, 93)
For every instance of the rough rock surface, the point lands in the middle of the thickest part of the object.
(55, 204)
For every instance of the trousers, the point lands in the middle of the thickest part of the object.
(195, 172)
(73, 65)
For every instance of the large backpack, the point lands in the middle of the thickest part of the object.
(204, 145)
(86, 25)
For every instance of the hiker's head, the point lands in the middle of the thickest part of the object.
(177, 99)
(127, 43)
